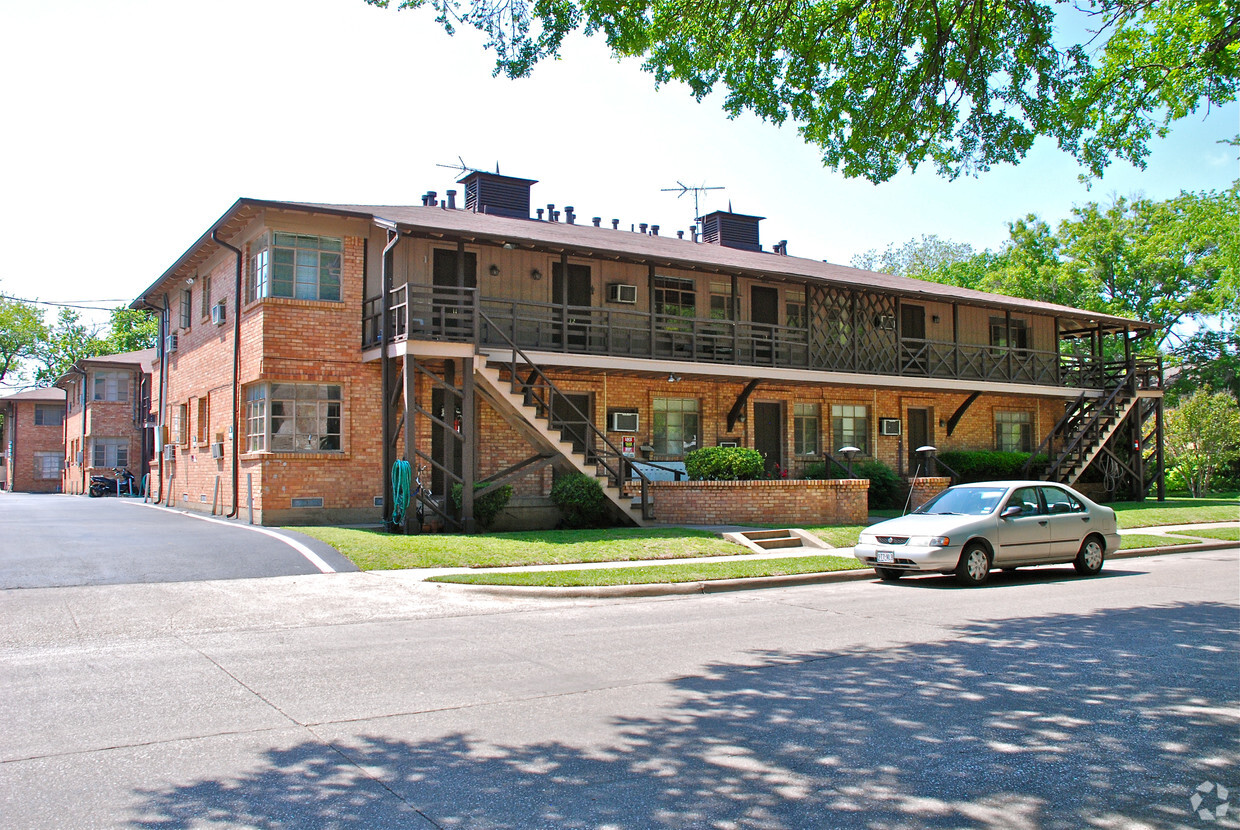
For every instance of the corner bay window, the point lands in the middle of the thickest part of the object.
(49, 416)
(1013, 432)
(295, 265)
(850, 427)
(292, 417)
(675, 425)
(111, 386)
(805, 428)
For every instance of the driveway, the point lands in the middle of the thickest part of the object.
(57, 540)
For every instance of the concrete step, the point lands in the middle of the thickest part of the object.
(776, 544)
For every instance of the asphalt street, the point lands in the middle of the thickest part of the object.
(55, 541)
(372, 700)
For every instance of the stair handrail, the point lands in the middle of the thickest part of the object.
(1073, 411)
(1103, 409)
(615, 471)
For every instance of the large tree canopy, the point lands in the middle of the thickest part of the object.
(881, 85)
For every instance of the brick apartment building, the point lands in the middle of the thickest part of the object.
(307, 347)
(34, 440)
(109, 421)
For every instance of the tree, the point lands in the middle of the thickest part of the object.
(915, 258)
(131, 330)
(21, 332)
(1208, 361)
(1203, 436)
(881, 85)
(68, 341)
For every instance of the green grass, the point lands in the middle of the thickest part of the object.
(1177, 511)
(375, 550)
(1135, 541)
(839, 536)
(1230, 534)
(689, 572)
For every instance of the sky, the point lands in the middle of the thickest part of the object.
(130, 126)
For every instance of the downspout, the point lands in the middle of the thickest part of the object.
(162, 311)
(387, 265)
(236, 374)
(82, 464)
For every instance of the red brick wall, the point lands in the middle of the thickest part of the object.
(925, 488)
(802, 503)
(29, 439)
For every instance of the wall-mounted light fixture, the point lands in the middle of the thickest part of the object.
(189, 280)
(535, 274)
(508, 246)
(673, 377)
(934, 318)
(493, 270)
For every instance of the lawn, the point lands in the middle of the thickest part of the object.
(1180, 510)
(1229, 534)
(689, 572)
(1135, 541)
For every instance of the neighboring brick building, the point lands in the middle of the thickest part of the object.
(110, 422)
(516, 345)
(34, 438)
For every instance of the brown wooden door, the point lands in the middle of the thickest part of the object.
(768, 433)
(919, 435)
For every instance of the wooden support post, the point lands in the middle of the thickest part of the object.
(650, 290)
(408, 382)
(854, 331)
(1007, 339)
(387, 381)
(955, 341)
(468, 431)
(1159, 469)
(1058, 359)
(733, 316)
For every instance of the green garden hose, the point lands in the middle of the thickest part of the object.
(400, 492)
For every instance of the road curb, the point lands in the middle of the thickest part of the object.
(721, 586)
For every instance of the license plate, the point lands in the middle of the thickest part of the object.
(886, 557)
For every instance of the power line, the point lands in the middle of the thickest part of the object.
(80, 304)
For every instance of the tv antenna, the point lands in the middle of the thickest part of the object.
(698, 190)
(463, 168)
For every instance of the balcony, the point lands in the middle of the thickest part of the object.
(462, 315)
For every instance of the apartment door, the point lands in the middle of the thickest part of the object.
(573, 298)
(919, 434)
(913, 357)
(764, 313)
(768, 433)
(450, 299)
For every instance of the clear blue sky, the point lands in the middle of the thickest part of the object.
(131, 125)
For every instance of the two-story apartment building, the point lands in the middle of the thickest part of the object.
(308, 347)
(34, 440)
(109, 420)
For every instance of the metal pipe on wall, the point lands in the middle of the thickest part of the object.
(236, 374)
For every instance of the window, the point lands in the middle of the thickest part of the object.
(1001, 336)
(111, 386)
(675, 425)
(805, 428)
(722, 303)
(1026, 498)
(794, 299)
(675, 296)
(295, 265)
(48, 464)
(850, 427)
(187, 307)
(206, 297)
(293, 417)
(176, 424)
(1013, 432)
(201, 424)
(109, 452)
(1059, 501)
(49, 416)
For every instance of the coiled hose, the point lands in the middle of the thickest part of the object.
(400, 492)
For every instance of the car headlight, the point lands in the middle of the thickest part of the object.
(930, 541)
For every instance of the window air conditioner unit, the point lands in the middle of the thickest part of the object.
(170, 343)
(885, 321)
(219, 314)
(624, 422)
(217, 450)
(889, 426)
(618, 292)
(170, 452)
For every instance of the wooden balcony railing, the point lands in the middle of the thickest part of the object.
(461, 314)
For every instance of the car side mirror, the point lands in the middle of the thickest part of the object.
(1011, 510)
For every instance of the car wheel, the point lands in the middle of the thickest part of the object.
(889, 574)
(1089, 559)
(974, 566)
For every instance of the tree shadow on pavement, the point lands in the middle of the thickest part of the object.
(1050, 722)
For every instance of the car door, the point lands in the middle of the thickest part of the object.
(1069, 522)
(1025, 536)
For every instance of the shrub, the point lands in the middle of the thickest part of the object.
(486, 508)
(581, 500)
(989, 465)
(886, 488)
(724, 464)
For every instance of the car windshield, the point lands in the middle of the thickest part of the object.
(968, 501)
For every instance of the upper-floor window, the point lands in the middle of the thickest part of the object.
(293, 417)
(187, 307)
(1013, 432)
(675, 425)
(722, 303)
(850, 427)
(794, 300)
(676, 296)
(1001, 334)
(295, 265)
(206, 296)
(48, 416)
(111, 386)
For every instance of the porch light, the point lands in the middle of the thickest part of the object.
(848, 453)
(673, 378)
(493, 270)
(535, 274)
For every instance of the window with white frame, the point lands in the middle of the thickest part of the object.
(48, 416)
(187, 307)
(201, 422)
(850, 426)
(109, 452)
(676, 296)
(111, 386)
(794, 300)
(295, 265)
(805, 428)
(293, 417)
(177, 426)
(1013, 432)
(206, 296)
(675, 425)
(722, 303)
(48, 464)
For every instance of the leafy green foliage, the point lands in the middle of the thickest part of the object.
(1203, 437)
(886, 488)
(581, 500)
(21, 331)
(486, 508)
(724, 464)
(68, 340)
(990, 465)
(885, 85)
(1209, 360)
(131, 330)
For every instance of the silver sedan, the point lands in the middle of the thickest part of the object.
(970, 528)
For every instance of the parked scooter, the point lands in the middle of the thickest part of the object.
(120, 483)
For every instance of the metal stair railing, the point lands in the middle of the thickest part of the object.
(1076, 449)
(543, 391)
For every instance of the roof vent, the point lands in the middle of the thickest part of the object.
(731, 230)
(497, 195)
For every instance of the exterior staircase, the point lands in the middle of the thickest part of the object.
(760, 541)
(1089, 434)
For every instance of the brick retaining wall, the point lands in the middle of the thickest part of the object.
(791, 502)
